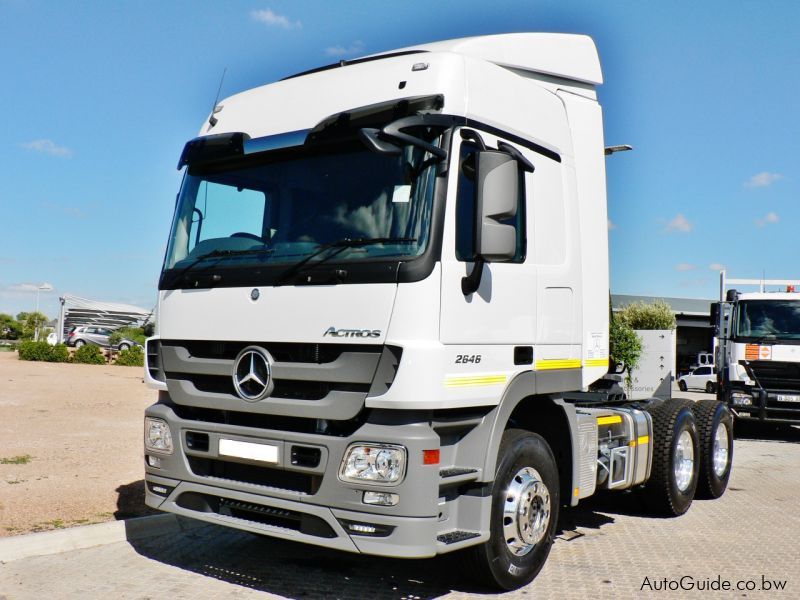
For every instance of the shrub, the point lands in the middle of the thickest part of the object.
(625, 347)
(647, 316)
(42, 351)
(132, 333)
(89, 355)
(132, 357)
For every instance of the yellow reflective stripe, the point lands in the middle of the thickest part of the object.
(558, 363)
(609, 420)
(471, 380)
(596, 362)
(643, 439)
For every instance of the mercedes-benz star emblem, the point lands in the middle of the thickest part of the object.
(252, 374)
(254, 294)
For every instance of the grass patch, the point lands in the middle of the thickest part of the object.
(48, 525)
(23, 459)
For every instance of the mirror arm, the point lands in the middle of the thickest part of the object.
(470, 283)
(526, 165)
(473, 136)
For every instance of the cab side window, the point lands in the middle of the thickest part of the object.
(466, 207)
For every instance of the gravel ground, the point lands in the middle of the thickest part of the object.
(70, 444)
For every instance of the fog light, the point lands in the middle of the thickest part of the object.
(740, 399)
(374, 463)
(367, 529)
(157, 436)
(154, 461)
(381, 498)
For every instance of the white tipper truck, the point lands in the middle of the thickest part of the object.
(382, 322)
(758, 349)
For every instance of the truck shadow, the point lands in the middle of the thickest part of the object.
(130, 501)
(295, 570)
(755, 431)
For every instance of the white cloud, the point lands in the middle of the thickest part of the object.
(27, 288)
(716, 266)
(611, 225)
(46, 146)
(684, 267)
(356, 47)
(268, 17)
(763, 179)
(679, 223)
(768, 219)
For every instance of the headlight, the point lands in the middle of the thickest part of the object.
(157, 436)
(373, 463)
(740, 399)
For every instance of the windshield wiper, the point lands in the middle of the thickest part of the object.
(339, 246)
(219, 254)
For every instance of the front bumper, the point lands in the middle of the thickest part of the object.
(306, 503)
(766, 405)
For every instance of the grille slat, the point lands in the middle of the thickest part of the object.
(777, 375)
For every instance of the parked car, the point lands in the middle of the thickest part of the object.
(52, 338)
(99, 336)
(702, 378)
(80, 336)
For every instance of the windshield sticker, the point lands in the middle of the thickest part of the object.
(402, 193)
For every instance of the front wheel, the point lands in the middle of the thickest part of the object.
(124, 346)
(709, 387)
(524, 515)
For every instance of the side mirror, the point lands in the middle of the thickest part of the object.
(497, 180)
(714, 318)
(496, 198)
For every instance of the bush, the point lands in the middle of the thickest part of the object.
(132, 333)
(42, 351)
(132, 357)
(625, 348)
(89, 355)
(647, 316)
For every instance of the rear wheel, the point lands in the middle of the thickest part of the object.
(682, 386)
(525, 504)
(80, 343)
(715, 428)
(676, 452)
(124, 346)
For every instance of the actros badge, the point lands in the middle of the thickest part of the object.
(252, 374)
(363, 333)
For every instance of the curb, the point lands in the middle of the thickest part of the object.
(87, 536)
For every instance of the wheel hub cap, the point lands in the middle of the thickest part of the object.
(684, 461)
(526, 511)
(720, 450)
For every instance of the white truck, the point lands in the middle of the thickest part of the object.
(383, 314)
(758, 349)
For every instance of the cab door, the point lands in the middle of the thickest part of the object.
(502, 312)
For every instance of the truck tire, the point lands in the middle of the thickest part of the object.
(676, 452)
(715, 428)
(524, 514)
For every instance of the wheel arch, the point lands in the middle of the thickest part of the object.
(544, 414)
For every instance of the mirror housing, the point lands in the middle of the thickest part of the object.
(714, 318)
(496, 198)
(497, 193)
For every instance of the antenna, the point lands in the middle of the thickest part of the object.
(212, 120)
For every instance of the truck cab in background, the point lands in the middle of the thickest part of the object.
(758, 349)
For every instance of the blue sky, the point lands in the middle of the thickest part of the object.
(98, 98)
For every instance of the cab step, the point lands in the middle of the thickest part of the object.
(457, 475)
(456, 536)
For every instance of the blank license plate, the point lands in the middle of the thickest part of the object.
(262, 452)
(788, 398)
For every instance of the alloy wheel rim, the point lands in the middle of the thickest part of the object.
(720, 454)
(684, 461)
(526, 511)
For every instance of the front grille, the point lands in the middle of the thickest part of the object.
(154, 360)
(776, 375)
(254, 474)
(337, 376)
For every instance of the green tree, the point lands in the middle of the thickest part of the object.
(625, 347)
(10, 328)
(30, 321)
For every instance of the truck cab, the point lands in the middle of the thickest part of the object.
(382, 322)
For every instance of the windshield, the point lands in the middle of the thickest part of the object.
(265, 211)
(768, 320)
